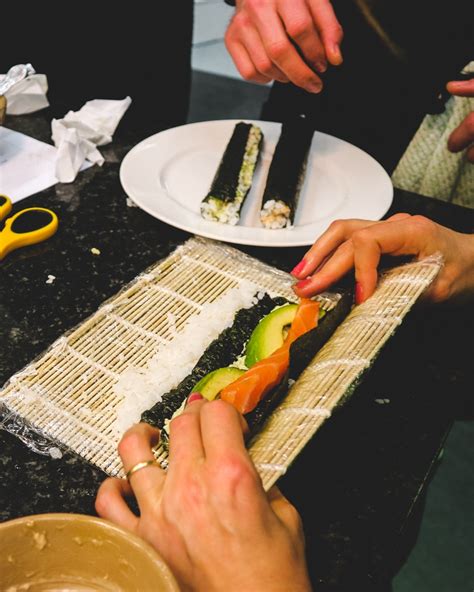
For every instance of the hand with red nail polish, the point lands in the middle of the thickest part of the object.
(302, 284)
(297, 271)
(359, 293)
(359, 244)
(194, 397)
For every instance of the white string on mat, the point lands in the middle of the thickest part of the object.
(309, 411)
(273, 467)
(137, 329)
(95, 365)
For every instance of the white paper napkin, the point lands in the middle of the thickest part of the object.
(79, 133)
(28, 95)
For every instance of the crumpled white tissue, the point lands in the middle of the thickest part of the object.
(28, 95)
(78, 134)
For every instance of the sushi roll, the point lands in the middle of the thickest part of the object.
(234, 176)
(286, 175)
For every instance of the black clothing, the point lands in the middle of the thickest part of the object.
(387, 95)
(106, 51)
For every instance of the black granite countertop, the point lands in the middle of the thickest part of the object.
(359, 485)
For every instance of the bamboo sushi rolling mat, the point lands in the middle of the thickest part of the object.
(68, 394)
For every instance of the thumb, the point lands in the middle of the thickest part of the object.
(285, 511)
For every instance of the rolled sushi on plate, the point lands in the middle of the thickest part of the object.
(234, 176)
(286, 175)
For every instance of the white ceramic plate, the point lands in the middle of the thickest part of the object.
(168, 175)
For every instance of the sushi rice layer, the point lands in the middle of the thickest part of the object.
(228, 212)
(275, 214)
(141, 388)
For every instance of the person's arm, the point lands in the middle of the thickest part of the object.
(462, 138)
(284, 41)
(208, 516)
(359, 244)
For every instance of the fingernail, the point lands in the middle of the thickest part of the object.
(298, 268)
(321, 66)
(194, 397)
(303, 283)
(315, 87)
(359, 293)
(337, 54)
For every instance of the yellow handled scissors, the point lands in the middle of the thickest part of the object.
(27, 227)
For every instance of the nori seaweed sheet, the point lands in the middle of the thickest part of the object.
(288, 165)
(228, 347)
(222, 352)
(306, 347)
(226, 179)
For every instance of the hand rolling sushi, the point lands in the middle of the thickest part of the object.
(234, 176)
(286, 175)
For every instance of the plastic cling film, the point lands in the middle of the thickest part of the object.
(32, 437)
(37, 425)
(66, 398)
(27, 372)
(15, 75)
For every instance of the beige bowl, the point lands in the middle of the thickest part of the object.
(75, 552)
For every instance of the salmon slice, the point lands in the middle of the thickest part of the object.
(245, 392)
(306, 318)
(249, 389)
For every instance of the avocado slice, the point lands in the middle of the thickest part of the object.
(270, 333)
(212, 384)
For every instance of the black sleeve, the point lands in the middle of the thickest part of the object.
(230, 2)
